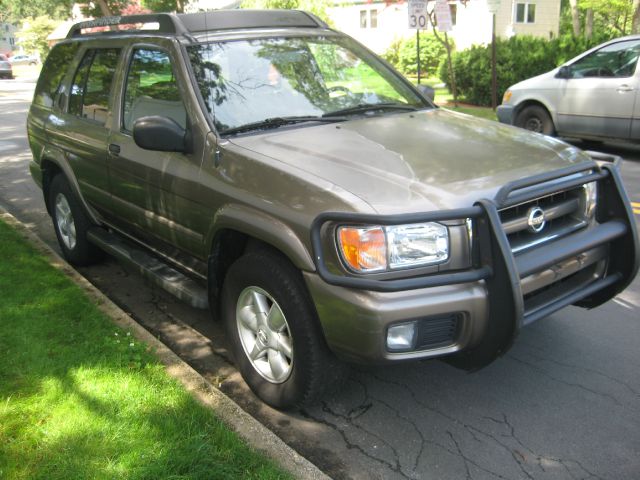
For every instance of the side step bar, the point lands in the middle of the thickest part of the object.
(150, 267)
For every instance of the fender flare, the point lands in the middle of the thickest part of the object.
(264, 227)
(57, 157)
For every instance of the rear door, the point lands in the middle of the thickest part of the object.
(599, 98)
(82, 127)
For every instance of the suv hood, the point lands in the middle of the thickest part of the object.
(418, 161)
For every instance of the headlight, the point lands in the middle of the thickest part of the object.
(379, 248)
(591, 199)
(507, 96)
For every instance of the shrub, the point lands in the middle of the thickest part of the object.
(402, 54)
(517, 58)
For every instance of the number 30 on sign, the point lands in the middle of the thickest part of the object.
(418, 14)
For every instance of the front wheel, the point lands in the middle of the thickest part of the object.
(274, 333)
(536, 119)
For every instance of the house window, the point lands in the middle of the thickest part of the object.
(368, 19)
(454, 12)
(525, 12)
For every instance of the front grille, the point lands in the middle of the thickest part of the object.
(564, 213)
(439, 331)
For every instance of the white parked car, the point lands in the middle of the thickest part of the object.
(592, 96)
(23, 59)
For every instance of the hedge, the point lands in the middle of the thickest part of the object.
(518, 58)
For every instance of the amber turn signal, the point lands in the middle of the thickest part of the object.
(364, 249)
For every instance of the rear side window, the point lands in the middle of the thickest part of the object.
(59, 59)
(92, 82)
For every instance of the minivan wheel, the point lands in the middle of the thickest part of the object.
(71, 224)
(536, 119)
(274, 333)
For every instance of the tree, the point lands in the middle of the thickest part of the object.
(317, 7)
(33, 35)
(16, 11)
(164, 5)
(575, 17)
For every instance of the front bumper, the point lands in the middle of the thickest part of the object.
(492, 300)
(505, 114)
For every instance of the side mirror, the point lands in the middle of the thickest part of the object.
(564, 72)
(427, 92)
(158, 133)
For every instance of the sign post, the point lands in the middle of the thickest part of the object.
(418, 19)
(493, 6)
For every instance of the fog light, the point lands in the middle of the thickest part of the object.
(401, 338)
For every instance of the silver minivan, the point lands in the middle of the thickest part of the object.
(592, 96)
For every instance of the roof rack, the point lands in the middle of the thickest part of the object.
(186, 23)
(167, 23)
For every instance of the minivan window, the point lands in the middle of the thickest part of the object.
(617, 60)
(91, 86)
(53, 72)
(151, 89)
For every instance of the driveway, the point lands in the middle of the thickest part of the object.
(564, 403)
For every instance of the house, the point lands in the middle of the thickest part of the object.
(7, 38)
(376, 24)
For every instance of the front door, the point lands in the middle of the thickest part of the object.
(153, 192)
(599, 98)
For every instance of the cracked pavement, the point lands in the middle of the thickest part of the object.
(564, 403)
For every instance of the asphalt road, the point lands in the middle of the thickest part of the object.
(564, 403)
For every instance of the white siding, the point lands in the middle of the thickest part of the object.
(473, 22)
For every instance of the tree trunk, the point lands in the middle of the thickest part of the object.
(104, 8)
(447, 45)
(635, 24)
(452, 74)
(588, 24)
(575, 17)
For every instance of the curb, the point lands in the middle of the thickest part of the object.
(248, 428)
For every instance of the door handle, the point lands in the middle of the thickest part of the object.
(114, 149)
(625, 88)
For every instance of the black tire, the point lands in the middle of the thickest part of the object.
(536, 119)
(312, 367)
(80, 251)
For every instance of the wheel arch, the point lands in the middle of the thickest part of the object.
(53, 163)
(238, 229)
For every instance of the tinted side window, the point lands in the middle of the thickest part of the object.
(53, 71)
(617, 60)
(151, 89)
(79, 83)
(91, 86)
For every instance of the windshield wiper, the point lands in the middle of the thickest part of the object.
(276, 122)
(368, 107)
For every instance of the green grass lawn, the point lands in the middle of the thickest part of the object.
(80, 398)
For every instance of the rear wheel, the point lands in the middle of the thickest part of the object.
(71, 224)
(274, 333)
(536, 119)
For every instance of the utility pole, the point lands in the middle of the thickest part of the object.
(418, 52)
(494, 77)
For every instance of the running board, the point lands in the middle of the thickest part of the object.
(150, 267)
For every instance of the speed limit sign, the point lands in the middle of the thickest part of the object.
(418, 14)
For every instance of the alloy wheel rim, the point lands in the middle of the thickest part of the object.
(65, 222)
(264, 334)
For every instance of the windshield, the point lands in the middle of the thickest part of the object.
(248, 81)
